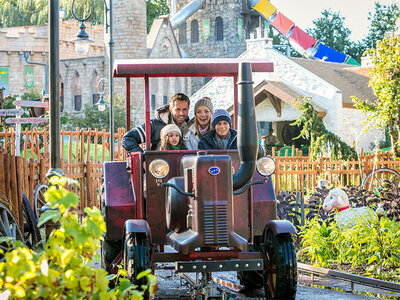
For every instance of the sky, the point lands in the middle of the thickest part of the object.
(355, 12)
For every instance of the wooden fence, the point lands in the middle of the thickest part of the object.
(86, 150)
(299, 173)
(76, 146)
(19, 175)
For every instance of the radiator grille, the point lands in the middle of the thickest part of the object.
(215, 223)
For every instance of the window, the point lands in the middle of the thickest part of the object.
(77, 102)
(61, 94)
(194, 31)
(219, 29)
(95, 98)
(165, 100)
(95, 87)
(77, 92)
(153, 102)
(182, 34)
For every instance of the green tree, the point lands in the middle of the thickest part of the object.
(34, 12)
(385, 82)
(154, 9)
(93, 118)
(22, 12)
(383, 20)
(330, 30)
(322, 141)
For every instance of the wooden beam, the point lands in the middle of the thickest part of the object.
(276, 103)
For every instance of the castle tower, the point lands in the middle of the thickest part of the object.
(129, 35)
(215, 30)
(218, 29)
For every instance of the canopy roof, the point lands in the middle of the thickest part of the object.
(186, 67)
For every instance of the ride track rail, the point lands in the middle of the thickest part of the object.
(322, 272)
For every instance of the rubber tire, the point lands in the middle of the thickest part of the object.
(280, 256)
(137, 257)
(252, 279)
(109, 251)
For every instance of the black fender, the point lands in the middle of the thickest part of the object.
(279, 226)
(137, 226)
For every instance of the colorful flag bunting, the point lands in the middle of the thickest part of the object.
(328, 54)
(265, 8)
(282, 23)
(351, 61)
(301, 38)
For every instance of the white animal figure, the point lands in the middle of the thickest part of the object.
(346, 216)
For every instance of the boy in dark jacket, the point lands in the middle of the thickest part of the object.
(222, 136)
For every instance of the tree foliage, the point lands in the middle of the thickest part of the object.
(154, 9)
(323, 142)
(385, 82)
(60, 270)
(383, 20)
(330, 30)
(93, 118)
(34, 12)
(22, 12)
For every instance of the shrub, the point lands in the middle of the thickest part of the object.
(375, 247)
(62, 269)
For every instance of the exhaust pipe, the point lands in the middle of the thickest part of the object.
(186, 12)
(247, 134)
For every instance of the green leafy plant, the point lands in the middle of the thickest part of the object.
(322, 140)
(384, 73)
(62, 269)
(375, 247)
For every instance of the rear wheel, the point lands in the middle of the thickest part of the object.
(109, 251)
(280, 267)
(137, 257)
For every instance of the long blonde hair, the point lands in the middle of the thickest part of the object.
(164, 145)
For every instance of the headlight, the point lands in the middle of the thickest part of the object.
(159, 168)
(266, 166)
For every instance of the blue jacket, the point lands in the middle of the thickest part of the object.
(207, 141)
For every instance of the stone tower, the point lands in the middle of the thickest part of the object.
(218, 29)
(228, 21)
(129, 34)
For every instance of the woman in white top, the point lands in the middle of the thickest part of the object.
(203, 110)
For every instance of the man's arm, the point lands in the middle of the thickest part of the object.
(132, 139)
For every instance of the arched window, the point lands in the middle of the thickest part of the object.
(194, 31)
(77, 92)
(95, 87)
(61, 94)
(182, 34)
(219, 29)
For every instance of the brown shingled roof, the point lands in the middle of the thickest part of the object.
(351, 80)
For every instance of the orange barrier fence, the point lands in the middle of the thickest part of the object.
(83, 152)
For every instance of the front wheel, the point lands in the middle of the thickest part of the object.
(137, 257)
(252, 279)
(280, 266)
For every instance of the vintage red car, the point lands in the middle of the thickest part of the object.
(216, 208)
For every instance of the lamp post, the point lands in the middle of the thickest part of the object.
(54, 71)
(101, 104)
(84, 38)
